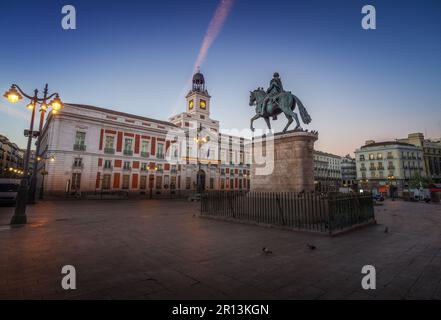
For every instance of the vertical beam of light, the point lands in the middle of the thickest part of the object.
(213, 30)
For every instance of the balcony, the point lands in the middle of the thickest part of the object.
(390, 157)
(109, 150)
(363, 169)
(391, 167)
(380, 168)
(372, 168)
(145, 154)
(79, 147)
(77, 165)
(109, 167)
(174, 171)
(127, 168)
(128, 152)
(160, 156)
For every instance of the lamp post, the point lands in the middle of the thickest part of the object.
(43, 174)
(151, 180)
(199, 142)
(390, 178)
(14, 94)
(56, 105)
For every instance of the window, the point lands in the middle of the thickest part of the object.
(166, 181)
(106, 182)
(126, 181)
(143, 166)
(128, 144)
(231, 183)
(187, 183)
(222, 184)
(80, 138)
(173, 183)
(389, 155)
(78, 163)
(143, 183)
(145, 147)
(158, 182)
(160, 151)
(240, 183)
(76, 181)
(371, 156)
(211, 183)
(109, 142)
(126, 165)
(107, 164)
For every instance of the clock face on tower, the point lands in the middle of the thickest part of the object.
(190, 104)
(203, 104)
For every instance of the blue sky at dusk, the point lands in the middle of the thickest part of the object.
(137, 56)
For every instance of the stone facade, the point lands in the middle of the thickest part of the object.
(288, 164)
(11, 156)
(327, 171)
(431, 153)
(381, 165)
(102, 150)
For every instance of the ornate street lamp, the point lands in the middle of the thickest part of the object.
(44, 173)
(15, 94)
(154, 169)
(199, 142)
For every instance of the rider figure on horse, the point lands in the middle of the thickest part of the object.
(273, 91)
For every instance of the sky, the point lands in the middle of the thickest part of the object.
(137, 57)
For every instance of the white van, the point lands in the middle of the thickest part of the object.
(8, 191)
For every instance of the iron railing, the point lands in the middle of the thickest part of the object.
(327, 213)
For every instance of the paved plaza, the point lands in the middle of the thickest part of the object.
(161, 249)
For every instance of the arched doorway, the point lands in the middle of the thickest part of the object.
(200, 178)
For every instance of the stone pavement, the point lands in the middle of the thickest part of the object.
(161, 249)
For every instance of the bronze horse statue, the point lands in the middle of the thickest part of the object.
(283, 102)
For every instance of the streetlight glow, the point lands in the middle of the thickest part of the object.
(56, 103)
(13, 95)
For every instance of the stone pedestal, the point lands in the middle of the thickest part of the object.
(288, 162)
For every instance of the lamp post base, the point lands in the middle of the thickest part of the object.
(19, 216)
(16, 220)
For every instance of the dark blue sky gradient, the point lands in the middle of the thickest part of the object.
(136, 56)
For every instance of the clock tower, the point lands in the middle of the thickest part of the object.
(198, 99)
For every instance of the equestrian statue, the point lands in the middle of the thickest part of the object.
(274, 101)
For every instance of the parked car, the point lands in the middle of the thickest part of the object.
(8, 191)
(378, 197)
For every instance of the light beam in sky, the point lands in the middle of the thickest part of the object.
(215, 26)
(213, 30)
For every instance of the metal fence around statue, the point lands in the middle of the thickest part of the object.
(325, 213)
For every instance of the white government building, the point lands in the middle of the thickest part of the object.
(97, 149)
